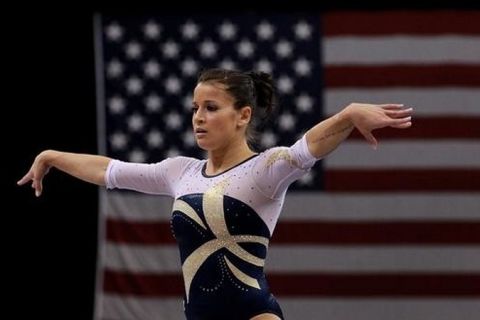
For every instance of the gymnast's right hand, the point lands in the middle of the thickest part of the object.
(37, 171)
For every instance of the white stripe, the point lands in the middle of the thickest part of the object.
(329, 206)
(137, 206)
(397, 206)
(380, 309)
(450, 101)
(116, 307)
(310, 258)
(358, 259)
(418, 50)
(137, 308)
(402, 154)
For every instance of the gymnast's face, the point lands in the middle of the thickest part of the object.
(217, 125)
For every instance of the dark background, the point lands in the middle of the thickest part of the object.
(49, 103)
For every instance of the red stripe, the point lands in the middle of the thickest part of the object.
(387, 180)
(341, 233)
(378, 233)
(405, 22)
(448, 127)
(402, 75)
(288, 284)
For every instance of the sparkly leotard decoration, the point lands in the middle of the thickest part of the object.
(222, 224)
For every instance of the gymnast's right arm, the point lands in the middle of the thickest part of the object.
(87, 167)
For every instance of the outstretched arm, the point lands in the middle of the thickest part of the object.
(87, 167)
(328, 134)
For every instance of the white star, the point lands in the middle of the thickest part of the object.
(187, 103)
(190, 30)
(114, 68)
(172, 152)
(304, 102)
(284, 49)
(153, 103)
(264, 65)
(227, 30)
(285, 84)
(116, 104)
(152, 69)
(303, 30)
(302, 67)
(114, 31)
(134, 85)
(137, 156)
(208, 48)
(173, 85)
(265, 30)
(306, 179)
(155, 139)
(286, 121)
(245, 48)
(189, 67)
(151, 30)
(188, 138)
(170, 49)
(133, 50)
(173, 120)
(268, 139)
(135, 122)
(227, 63)
(118, 141)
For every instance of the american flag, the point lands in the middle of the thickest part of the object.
(386, 234)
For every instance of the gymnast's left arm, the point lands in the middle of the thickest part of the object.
(325, 137)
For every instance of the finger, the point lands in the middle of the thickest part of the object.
(370, 139)
(24, 179)
(401, 113)
(39, 188)
(392, 106)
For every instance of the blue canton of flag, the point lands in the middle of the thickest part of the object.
(151, 65)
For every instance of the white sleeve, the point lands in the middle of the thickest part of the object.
(276, 168)
(155, 178)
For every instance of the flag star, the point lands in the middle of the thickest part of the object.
(188, 138)
(136, 122)
(286, 121)
(133, 50)
(153, 103)
(227, 30)
(114, 69)
(114, 31)
(190, 30)
(116, 105)
(152, 69)
(173, 120)
(155, 138)
(302, 67)
(134, 85)
(172, 152)
(118, 141)
(285, 84)
(268, 139)
(307, 178)
(264, 65)
(137, 156)
(187, 103)
(189, 67)
(245, 48)
(284, 49)
(173, 85)
(170, 49)
(208, 48)
(303, 30)
(304, 102)
(151, 30)
(265, 30)
(227, 63)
